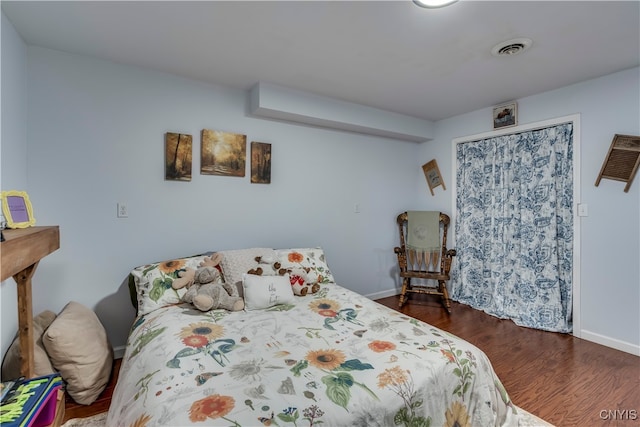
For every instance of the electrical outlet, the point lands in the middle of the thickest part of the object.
(123, 211)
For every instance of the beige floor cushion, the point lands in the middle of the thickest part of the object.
(42, 365)
(79, 349)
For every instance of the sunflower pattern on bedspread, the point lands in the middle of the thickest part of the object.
(334, 358)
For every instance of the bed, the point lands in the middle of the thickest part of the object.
(333, 357)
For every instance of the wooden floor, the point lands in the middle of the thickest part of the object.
(564, 380)
(561, 379)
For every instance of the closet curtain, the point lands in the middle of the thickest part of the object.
(514, 227)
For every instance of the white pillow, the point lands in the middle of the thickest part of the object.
(262, 292)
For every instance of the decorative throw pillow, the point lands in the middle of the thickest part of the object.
(153, 282)
(42, 364)
(262, 292)
(79, 349)
(237, 262)
(311, 260)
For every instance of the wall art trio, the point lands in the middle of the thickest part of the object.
(221, 153)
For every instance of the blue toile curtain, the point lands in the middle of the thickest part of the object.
(514, 227)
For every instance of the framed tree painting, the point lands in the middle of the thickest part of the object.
(260, 163)
(177, 154)
(223, 153)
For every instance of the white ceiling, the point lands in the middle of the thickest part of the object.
(391, 55)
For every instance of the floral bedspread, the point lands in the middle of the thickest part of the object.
(334, 358)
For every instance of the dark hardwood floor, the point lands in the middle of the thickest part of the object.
(564, 380)
(561, 379)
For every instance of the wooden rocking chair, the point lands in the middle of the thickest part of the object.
(425, 266)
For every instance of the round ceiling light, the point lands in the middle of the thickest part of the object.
(433, 4)
(511, 47)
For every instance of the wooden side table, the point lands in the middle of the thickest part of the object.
(20, 254)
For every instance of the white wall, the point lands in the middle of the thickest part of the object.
(13, 150)
(610, 235)
(96, 138)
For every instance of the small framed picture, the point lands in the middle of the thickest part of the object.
(432, 175)
(260, 163)
(177, 156)
(505, 115)
(16, 208)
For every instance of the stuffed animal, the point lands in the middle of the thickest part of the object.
(213, 261)
(210, 296)
(190, 276)
(300, 282)
(206, 290)
(298, 277)
(186, 278)
(267, 266)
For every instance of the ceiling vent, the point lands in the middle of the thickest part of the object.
(511, 47)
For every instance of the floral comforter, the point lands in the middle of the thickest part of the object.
(334, 358)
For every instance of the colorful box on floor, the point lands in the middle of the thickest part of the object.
(31, 402)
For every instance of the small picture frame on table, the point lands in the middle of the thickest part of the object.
(17, 210)
(505, 115)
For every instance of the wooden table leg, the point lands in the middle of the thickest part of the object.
(25, 320)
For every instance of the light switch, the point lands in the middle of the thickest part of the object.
(583, 209)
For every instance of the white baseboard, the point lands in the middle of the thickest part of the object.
(383, 294)
(610, 342)
(118, 352)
